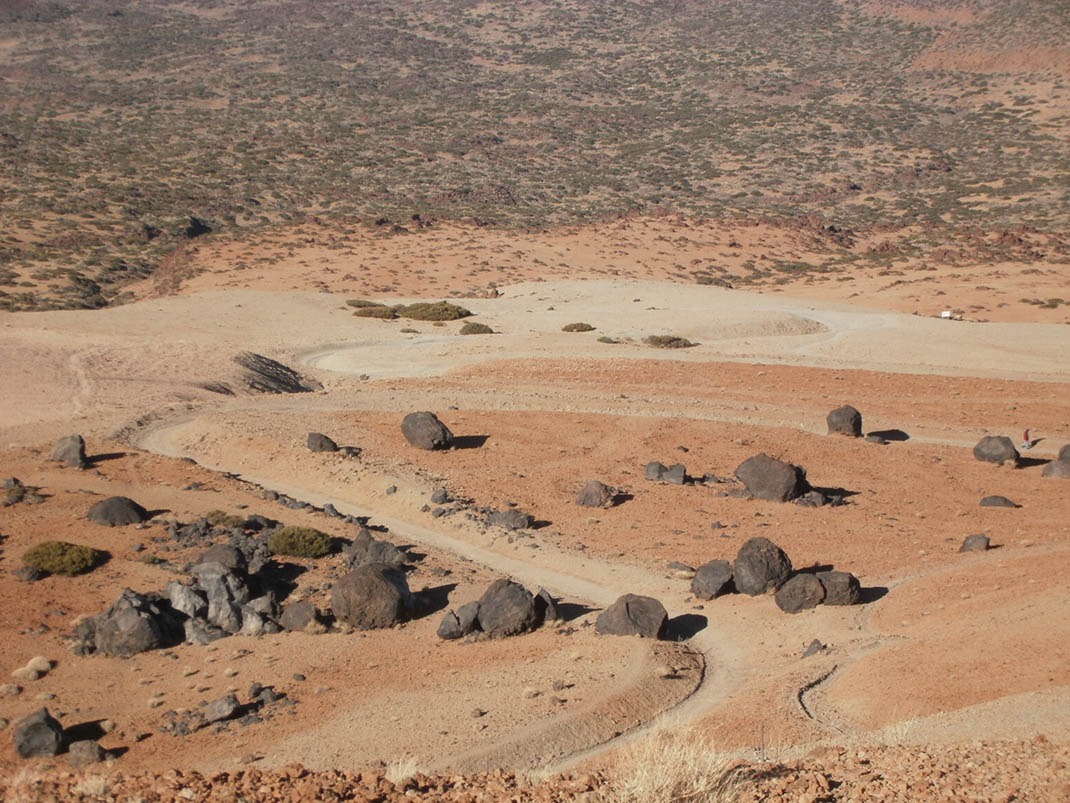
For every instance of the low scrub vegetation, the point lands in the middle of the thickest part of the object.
(432, 311)
(62, 557)
(668, 342)
(299, 542)
(577, 327)
(474, 328)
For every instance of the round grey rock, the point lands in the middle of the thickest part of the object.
(845, 420)
(424, 431)
(712, 579)
(117, 511)
(633, 615)
(760, 567)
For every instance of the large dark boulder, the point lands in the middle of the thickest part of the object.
(424, 431)
(372, 596)
(845, 420)
(365, 548)
(760, 567)
(712, 579)
(38, 734)
(318, 442)
(70, 451)
(996, 449)
(841, 588)
(799, 593)
(511, 519)
(135, 623)
(768, 478)
(633, 615)
(1060, 467)
(117, 511)
(595, 494)
(507, 609)
(298, 615)
(228, 556)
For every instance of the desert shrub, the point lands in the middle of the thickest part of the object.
(577, 327)
(408, 330)
(668, 342)
(362, 302)
(220, 518)
(300, 542)
(673, 764)
(607, 339)
(474, 328)
(14, 494)
(384, 313)
(61, 557)
(432, 311)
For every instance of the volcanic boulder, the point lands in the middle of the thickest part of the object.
(71, 451)
(117, 511)
(1060, 467)
(365, 548)
(318, 442)
(595, 494)
(799, 593)
(38, 734)
(760, 567)
(845, 420)
(424, 431)
(768, 478)
(372, 596)
(511, 519)
(996, 449)
(506, 609)
(841, 588)
(633, 615)
(712, 579)
(135, 623)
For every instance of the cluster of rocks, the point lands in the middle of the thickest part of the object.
(16, 491)
(237, 588)
(505, 609)
(318, 442)
(763, 477)
(761, 567)
(262, 703)
(41, 734)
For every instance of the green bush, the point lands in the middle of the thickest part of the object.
(432, 311)
(300, 542)
(473, 328)
(668, 342)
(61, 557)
(220, 518)
(385, 313)
(362, 302)
(577, 327)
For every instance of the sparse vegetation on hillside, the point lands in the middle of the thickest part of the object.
(668, 342)
(128, 134)
(61, 557)
(299, 542)
(476, 328)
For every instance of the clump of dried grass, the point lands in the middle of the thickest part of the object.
(671, 765)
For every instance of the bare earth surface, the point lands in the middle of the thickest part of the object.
(950, 681)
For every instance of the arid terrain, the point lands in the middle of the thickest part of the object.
(930, 298)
